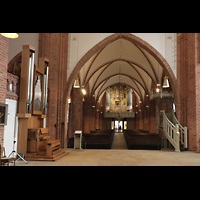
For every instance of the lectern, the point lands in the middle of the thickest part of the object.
(77, 139)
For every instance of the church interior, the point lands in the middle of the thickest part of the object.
(67, 93)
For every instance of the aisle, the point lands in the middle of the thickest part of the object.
(119, 141)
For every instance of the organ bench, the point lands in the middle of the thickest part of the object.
(39, 147)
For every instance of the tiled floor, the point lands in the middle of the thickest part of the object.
(90, 157)
(120, 156)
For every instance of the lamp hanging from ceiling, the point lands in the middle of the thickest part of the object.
(76, 83)
(166, 82)
(10, 35)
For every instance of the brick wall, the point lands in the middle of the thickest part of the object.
(188, 90)
(55, 47)
(4, 44)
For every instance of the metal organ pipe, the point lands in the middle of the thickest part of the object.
(30, 83)
(45, 93)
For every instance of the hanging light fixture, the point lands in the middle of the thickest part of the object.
(158, 84)
(166, 82)
(84, 91)
(158, 88)
(76, 83)
(10, 35)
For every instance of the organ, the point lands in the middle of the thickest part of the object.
(33, 137)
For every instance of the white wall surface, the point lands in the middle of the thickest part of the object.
(171, 51)
(10, 128)
(156, 40)
(15, 45)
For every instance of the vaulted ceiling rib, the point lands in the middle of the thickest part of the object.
(121, 61)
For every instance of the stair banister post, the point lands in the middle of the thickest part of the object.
(177, 148)
(163, 113)
(185, 137)
(164, 128)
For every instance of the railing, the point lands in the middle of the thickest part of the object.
(182, 131)
(162, 94)
(171, 132)
(119, 115)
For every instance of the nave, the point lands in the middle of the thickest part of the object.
(120, 76)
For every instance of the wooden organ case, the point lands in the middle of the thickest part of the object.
(33, 137)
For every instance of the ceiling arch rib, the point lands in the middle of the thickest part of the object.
(137, 67)
(121, 49)
(129, 52)
(152, 66)
(137, 72)
(157, 67)
(84, 69)
(92, 61)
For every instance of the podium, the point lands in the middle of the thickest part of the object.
(77, 139)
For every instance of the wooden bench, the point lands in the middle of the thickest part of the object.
(99, 140)
(137, 139)
(52, 146)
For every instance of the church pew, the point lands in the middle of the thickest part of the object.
(142, 140)
(100, 139)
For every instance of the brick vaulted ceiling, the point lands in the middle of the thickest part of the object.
(121, 61)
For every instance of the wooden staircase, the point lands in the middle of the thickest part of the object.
(41, 148)
(173, 131)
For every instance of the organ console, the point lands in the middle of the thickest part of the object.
(37, 140)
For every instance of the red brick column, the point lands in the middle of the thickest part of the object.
(152, 116)
(86, 126)
(55, 47)
(146, 119)
(86, 110)
(4, 44)
(188, 90)
(76, 112)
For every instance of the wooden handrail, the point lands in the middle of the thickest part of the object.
(182, 131)
(171, 132)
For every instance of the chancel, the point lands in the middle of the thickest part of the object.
(136, 89)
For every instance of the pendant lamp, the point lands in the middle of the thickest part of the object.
(10, 35)
(76, 83)
(166, 82)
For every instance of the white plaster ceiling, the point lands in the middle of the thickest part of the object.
(121, 61)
